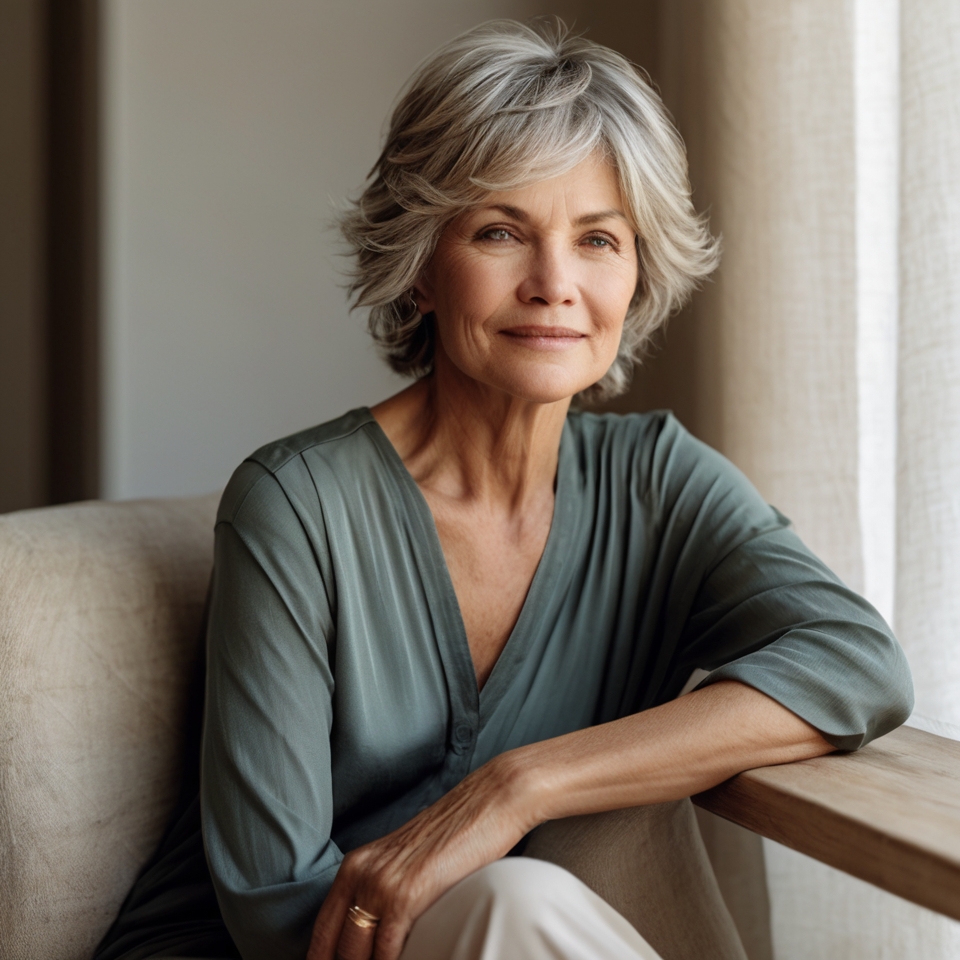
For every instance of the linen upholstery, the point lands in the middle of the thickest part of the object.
(100, 613)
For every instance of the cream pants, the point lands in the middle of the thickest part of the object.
(523, 909)
(627, 885)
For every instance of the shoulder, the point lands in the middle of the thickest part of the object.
(620, 429)
(333, 435)
(281, 475)
(660, 460)
(651, 448)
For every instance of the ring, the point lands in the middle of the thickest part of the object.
(361, 918)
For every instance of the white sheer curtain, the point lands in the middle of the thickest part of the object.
(928, 479)
(824, 138)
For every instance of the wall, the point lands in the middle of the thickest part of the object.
(232, 130)
(22, 344)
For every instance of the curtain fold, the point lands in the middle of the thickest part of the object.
(928, 481)
(824, 358)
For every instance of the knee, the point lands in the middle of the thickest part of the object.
(523, 886)
(519, 906)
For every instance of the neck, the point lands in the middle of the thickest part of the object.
(468, 442)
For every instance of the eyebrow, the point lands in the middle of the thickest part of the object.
(521, 216)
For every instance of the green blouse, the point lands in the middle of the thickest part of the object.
(341, 697)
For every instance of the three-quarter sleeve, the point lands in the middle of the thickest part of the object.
(266, 791)
(762, 609)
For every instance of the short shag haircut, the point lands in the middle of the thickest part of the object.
(504, 105)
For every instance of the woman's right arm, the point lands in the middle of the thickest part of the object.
(266, 791)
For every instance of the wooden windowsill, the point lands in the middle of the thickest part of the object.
(888, 814)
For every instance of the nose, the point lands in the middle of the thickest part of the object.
(550, 276)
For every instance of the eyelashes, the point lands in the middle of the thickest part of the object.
(487, 234)
(503, 235)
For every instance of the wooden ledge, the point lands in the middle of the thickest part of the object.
(888, 814)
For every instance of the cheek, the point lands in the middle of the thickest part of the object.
(471, 294)
(478, 282)
(612, 301)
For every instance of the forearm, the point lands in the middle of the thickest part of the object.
(665, 753)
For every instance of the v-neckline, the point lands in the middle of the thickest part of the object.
(443, 597)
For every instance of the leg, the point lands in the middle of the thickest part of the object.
(523, 909)
(651, 865)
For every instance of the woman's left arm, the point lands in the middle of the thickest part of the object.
(665, 753)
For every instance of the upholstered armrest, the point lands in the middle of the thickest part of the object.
(888, 814)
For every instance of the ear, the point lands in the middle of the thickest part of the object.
(423, 294)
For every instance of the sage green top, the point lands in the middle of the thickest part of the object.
(341, 696)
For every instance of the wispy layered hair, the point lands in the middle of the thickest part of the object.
(504, 105)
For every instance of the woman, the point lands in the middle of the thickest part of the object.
(440, 622)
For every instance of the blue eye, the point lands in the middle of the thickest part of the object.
(498, 233)
(598, 241)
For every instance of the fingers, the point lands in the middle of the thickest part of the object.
(342, 932)
(329, 922)
(339, 935)
(373, 936)
(345, 930)
(390, 940)
(356, 942)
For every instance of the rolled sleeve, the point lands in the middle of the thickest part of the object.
(804, 639)
(760, 608)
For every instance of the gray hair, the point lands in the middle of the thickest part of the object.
(501, 106)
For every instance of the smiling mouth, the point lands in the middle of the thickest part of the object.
(541, 336)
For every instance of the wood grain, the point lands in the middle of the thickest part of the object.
(888, 814)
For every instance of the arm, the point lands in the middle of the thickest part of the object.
(668, 752)
(665, 753)
(266, 790)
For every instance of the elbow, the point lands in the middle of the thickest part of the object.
(901, 700)
(895, 699)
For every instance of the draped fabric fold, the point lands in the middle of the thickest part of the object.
(824, 358)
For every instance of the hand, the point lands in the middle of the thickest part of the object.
(397, 877)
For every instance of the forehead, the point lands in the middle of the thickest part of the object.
(590, 188)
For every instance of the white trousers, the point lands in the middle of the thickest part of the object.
(524, 909)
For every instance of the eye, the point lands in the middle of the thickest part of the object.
(497, 234)
(600, 241)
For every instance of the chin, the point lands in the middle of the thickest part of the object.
(544, 386)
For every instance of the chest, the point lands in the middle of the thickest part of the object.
(492, 558)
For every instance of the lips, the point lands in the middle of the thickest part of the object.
(544, 339)
(537, 332)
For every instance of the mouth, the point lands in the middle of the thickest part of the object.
(541, 337)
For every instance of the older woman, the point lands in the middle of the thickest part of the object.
(442, 621)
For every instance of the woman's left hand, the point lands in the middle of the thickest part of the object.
(397, 877)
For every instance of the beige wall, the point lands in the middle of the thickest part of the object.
(233, 127)
(22, 412)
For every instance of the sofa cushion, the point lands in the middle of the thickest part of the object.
(100, 623)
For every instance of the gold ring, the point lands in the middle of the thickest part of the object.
(361, 918)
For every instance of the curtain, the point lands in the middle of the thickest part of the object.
(824, 358)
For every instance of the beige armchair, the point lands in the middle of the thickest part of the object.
(100, 613)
